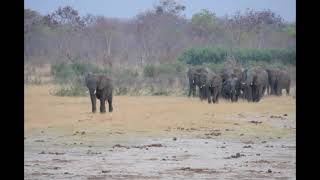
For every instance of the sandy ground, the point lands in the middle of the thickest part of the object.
(158, 138)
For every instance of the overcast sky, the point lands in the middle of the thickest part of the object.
(129, 8)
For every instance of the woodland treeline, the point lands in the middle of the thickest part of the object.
(161, 34)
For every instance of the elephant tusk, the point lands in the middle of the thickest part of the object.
(94, 92)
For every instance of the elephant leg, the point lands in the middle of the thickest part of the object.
(209, 95)
(272, 89)
(264, 90)
(216, 95)
(110, 104)
(288, 91)
(200, 93)
(275, 90)
(190, 90)
(194, 90)
(189, 94)
(259, 93)
(213, 94)
(249, 94)
(203, 94)
(259, 90)
(253, 94)
(278, 91)
(93, 100)
(102, 105)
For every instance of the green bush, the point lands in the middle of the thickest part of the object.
(165, 68)
(149, 71)
(66, 72)
(218, 54)
(160, 92)
(61, 71)
(73, 90)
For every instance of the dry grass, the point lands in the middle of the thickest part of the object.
(152, 114)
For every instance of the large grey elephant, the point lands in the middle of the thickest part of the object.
(278, 80)
(227, 73)
(273, 74)
(231, 89)
(101, 87)
(254, 83)
(211, 83)
(194, 80)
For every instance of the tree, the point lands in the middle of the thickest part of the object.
(31, 19)
(66, 16)
(169, 6)
(257, 22)
(290, 29)
(203, 23)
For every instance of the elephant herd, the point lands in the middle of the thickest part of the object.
(231, 84)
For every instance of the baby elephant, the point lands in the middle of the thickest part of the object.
(100, 87)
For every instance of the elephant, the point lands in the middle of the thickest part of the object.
(229, 74)
(193, 76)
(101, 87)
(254, 83)
(231, 89)
(283, 82)
(211, 83)
(225, 74)
(273, 74)
(278, 80)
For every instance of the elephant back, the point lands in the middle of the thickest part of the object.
(104, 81)
(214, 80)
(260, 77)
(274, 74)
(202, 69)
(284, 77)
(194, 71)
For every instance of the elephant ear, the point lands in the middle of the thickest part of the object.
(100, 84)
(103, 82)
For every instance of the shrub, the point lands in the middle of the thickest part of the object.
(73, 90)
(166, 68)
(69, 72)
(218, 54)
(149, 71)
